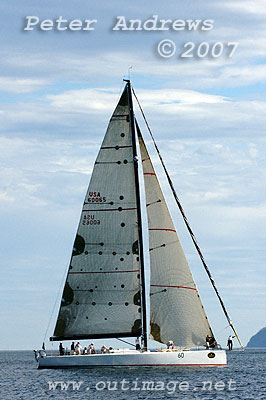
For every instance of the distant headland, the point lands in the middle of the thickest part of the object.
(258, 340)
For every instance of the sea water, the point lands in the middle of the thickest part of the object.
(243, 378)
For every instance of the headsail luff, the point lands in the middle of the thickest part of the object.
(176, 310)
(101, 296)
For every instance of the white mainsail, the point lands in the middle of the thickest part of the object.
(176, 311)
(101, 297)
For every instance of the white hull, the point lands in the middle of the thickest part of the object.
(136, 358)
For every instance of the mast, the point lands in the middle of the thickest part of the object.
(140, 239)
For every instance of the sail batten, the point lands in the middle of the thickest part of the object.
(176, 311)
(172, 286)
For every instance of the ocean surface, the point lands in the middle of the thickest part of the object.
(243, 378)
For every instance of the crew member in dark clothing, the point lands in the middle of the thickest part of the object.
(210, 342)
(73, 348)
(230, 342)
(61, 349)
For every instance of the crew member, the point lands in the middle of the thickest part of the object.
(230, 342)
(104, 349)
(78, 348)
(61, 349)
(91, 349)
(210, 342)
(72, 348)
(170, 344)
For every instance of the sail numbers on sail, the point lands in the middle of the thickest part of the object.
(95, 197)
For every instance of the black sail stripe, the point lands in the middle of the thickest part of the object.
(101, 272)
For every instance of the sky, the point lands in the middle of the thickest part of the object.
(208, 115)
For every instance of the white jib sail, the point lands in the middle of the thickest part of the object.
(176, 310)
(101, 297)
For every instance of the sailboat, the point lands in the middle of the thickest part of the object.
(105, 293)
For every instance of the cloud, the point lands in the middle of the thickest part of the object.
(189, 113)
(83, 100)
(258, 8)
(113, 65)
(36, 174)
(100, 100)
(17, 85)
